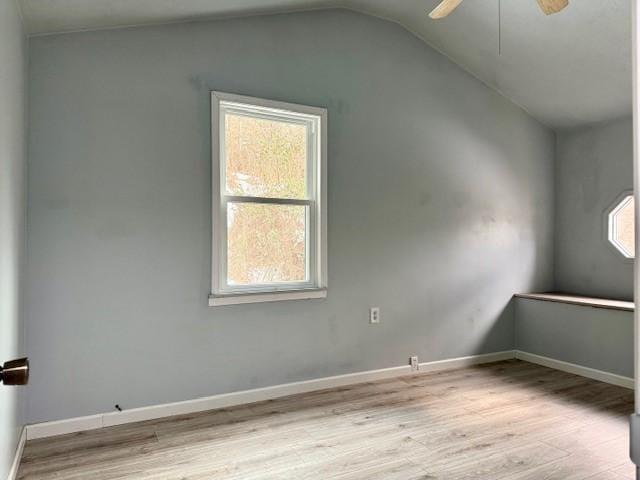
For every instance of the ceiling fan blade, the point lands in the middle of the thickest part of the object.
(444, 8)
(549, 7)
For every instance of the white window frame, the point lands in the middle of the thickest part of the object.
(610, 228)
(316, 202)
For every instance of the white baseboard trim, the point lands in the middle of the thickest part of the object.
(79, 424)
(600, 375)
(13, 471)
(72, 425)
(462, 362)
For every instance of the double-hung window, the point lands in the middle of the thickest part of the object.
(268, 200)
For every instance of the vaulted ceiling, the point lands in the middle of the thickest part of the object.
(568, 69)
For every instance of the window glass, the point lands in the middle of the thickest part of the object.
(265, 158)
(266, 243)
(622, 227)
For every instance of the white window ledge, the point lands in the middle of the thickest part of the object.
(580, 300)
(238, 298)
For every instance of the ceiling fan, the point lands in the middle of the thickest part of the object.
(445, 7)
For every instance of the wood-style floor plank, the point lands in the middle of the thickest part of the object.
(508, 420)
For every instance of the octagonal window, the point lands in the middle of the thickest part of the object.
(622, 227)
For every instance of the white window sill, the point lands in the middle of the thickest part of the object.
(239, 298)
(579, 300)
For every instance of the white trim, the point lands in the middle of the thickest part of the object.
(461, 362)
(588, 372)
(635, 19)
(13, 471)
(62, 427)
(269, 201)
(256, 102)
(580, 301)
(72, 425)
(221, 300)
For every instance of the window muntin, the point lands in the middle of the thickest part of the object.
(268, 196)
(621, 226)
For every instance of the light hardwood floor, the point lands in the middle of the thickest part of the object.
(507, 420)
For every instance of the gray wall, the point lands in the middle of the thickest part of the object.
(440, 208)
(13, 160)
(593, 337)
(593, 166)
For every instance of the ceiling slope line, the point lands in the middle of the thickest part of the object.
(453, 60)
(193, 19)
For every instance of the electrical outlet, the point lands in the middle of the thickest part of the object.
(413, 361)
(374, 315)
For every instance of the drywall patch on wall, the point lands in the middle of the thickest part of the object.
(13, 161)
(594, 165)
(440, 208)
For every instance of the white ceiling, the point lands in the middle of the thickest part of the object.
(567, 69)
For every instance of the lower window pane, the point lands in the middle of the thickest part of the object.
(266, 243)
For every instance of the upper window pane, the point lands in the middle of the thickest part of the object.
(265, 157)
(622, 227)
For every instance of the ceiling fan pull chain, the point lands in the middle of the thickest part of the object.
(499, 27)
